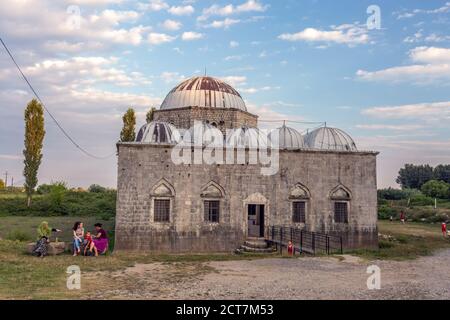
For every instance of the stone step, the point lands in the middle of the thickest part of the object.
(256, 238)
(256, 244)
(256, 250)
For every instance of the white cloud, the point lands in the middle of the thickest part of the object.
(190, 35)
(435, 68)
(234, 58)
(404, 15)
(181, 10)
(172, 77)
(222, 23)
(401, 127)
(104, 27)
(230, 9)
(235, 80)
(431, 55)
(350, 34)
(171, 25)
(153, 5)
(256, 90)
(159, 38)
(80, 71)
(431, 111)
(114, 17)
(234, 44)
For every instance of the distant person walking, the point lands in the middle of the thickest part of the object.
(402, 217)
(444, 229)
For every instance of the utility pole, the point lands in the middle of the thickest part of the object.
(6, 179)
(12, 182)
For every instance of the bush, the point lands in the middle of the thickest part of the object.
(18, 235)
(95, 188)
(392, 194)
(421, 200)
(385, 212)
(70, 204)
(436, 189)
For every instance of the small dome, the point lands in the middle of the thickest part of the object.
(288, 138)
(158, 132)
(246, 137)
(330, 139)
(203, 134)
(206, 92)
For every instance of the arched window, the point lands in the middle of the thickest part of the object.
(341, 197)
(162, 201)
(212, 194)
(299, 196)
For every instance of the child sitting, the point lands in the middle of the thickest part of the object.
(88, 243)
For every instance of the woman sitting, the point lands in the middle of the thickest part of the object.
(44, 232)
(100, 240)
(78, 234)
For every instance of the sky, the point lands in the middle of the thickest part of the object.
(382, 76)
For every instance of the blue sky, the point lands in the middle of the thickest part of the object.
(297, 60)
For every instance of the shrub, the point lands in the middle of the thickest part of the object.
(95, 188)
(421, 200)
(436, 189)
(18, 235)
(392, 194)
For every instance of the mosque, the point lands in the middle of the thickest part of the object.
(171, 197)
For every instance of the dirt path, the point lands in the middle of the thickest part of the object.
(281, 278)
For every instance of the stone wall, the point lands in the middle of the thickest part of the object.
(221, 117)
(146, 172)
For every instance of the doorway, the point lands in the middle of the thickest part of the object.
(255, 220)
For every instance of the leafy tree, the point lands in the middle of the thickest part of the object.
(436, 189)
(442, 172)
(95, 188)
(43, 189)
(57, 193)
(2, 184)
(128, 133)
(34, 138)
(414, 176)
(150, 115)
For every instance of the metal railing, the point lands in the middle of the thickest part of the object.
(304, 241)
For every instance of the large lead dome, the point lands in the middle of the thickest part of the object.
(206, 92)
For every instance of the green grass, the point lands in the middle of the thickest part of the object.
(70, 203)
(28, 226)
(410, 240)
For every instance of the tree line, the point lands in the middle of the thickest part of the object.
(431, 181)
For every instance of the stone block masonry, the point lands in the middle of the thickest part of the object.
(317, 177)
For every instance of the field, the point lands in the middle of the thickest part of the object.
(134, 276)
(60, 203)
(26, 226)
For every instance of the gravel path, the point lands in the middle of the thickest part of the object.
(284, 278)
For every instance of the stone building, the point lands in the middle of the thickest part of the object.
(322, 182)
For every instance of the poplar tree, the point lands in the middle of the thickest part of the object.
(150, 115)
(128, 133)
(34, 138)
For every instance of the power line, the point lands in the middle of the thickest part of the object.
(48, 112)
